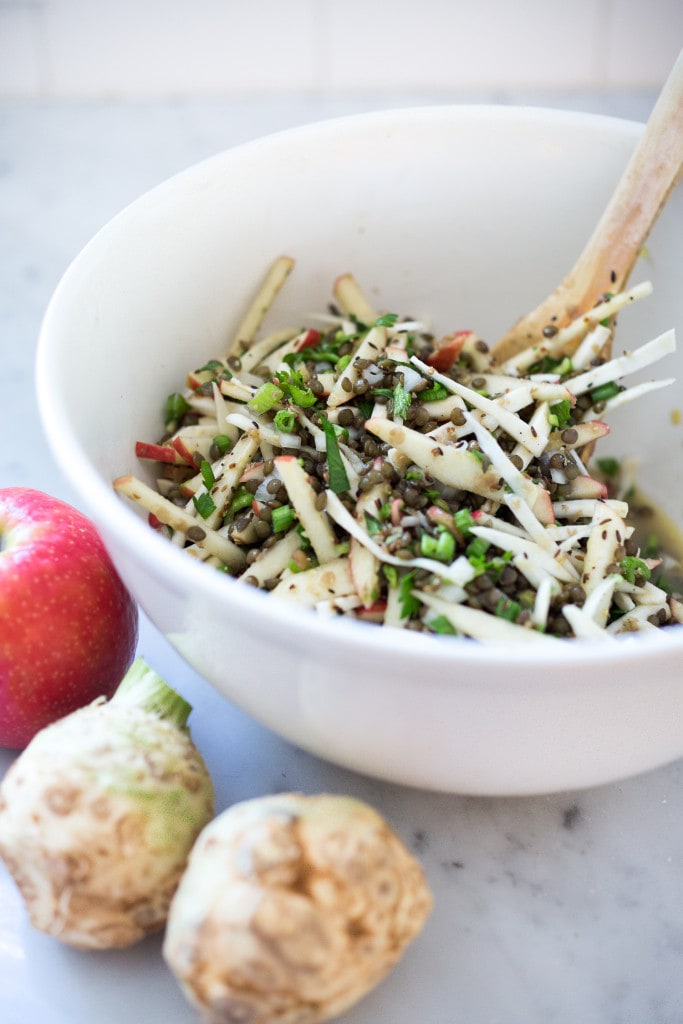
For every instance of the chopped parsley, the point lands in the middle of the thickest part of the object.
(207, 474)
(204, 504)
(294, 387)
(339, 480)
(443, 626)
(175, 408)
(386, 320)
(214, 366)
(410, 605)
(559, 415)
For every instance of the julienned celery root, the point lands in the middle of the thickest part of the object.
(100, 811)
(291, 909)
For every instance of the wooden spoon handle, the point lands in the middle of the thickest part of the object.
(608, 258)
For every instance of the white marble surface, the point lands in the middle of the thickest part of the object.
(548, 910)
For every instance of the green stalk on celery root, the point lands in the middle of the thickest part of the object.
(100, 811)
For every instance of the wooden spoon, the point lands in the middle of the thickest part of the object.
(608, 258)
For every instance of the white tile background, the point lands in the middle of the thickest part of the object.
(129, 49)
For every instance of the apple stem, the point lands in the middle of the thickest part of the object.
(142, 687)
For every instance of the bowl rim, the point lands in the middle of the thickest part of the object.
(116, 520)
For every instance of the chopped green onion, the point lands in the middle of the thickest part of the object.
(282, 518)
(464, 521)
(561, 365)
(428, 545)
(391, 574)
(222, 442)
(207, 474)
(343, 361)
(204, 505)
(440, 547)
(605, 391)
(285, 420)
(434, 393)
(242, 498)
(634, 569)
(339, 480)
(476, 549)
(266, 397)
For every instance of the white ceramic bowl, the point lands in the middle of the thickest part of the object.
(468, 215)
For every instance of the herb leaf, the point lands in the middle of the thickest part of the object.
(410, 604)
(386, 320)
(176, 407)
(207, 474)
(559, 415)
(339, 480)
(401, 400)
(204, 504)
(293, 385)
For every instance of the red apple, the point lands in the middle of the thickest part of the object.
(68, 625)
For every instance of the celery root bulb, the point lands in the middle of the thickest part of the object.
(99, 812)
(291, 909)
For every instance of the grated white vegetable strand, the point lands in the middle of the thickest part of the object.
(492, 437)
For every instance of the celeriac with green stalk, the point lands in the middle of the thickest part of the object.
(99, 813)
(291, 909)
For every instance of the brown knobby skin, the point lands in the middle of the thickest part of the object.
(291, 909)
(97, 818)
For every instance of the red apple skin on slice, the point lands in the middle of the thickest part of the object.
(68, 624)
